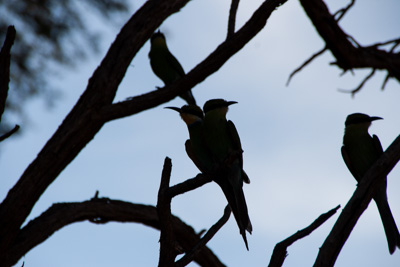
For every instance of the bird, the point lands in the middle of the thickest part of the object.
(222, 140)
(360, 151)
(165, 65)
(195, 147)
(202, 156)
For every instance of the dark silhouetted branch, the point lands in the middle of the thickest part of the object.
(189, 184)
(168, 251)
(280, 250)
(232, 18)
(189, 256)
(99, 211)
(354, 91)
(362, 196)
(348, 53)
(6, 135)
(5, 55)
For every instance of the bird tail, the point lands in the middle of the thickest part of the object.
(391, 231)
(232, 187)
(188, 97)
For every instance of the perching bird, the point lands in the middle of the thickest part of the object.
(222, 139)
(196, 149)
(165, 65)
(360, 151)
(202, 156)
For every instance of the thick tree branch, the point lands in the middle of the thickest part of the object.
(280, 250)
(83, 122)
(102, 210)
(330, 250)
(348, 56)
(5, 56)
(210, 65)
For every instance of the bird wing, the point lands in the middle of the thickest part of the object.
(175, 64)
(377, 144)
(192, 156)
(347, 160)
(238, 148)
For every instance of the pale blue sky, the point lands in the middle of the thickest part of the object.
(291, 136)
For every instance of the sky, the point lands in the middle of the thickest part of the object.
(291, 136)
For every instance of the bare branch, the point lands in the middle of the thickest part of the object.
(362, 196)
(348, 53)
(6, 135)
(341, 12)
(354, 91)
(5, 55)
(280, 250)
(168, 252)
(308, 61)
(99, 211)
(188, 185)
(203, 241)
(232, 18)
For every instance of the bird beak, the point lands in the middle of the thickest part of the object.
(174, 108)
(228, 103)
(376, 118)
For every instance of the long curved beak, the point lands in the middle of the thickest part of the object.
(375, 118)
(228, 103)
(174, 108)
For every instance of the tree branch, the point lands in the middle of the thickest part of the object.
(83, 122)
(203, 241)
(280, 250)
(99, 211)
(188, 185)
(338, 42)
(330, 250)
(5, 56)
(232, 18)
(168, 247)
(8, 134)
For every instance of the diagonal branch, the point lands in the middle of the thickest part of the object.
(333, 244)
(203, 241)
(280, 250)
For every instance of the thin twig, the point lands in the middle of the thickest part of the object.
(385, 81)
(308, 61)
(343, 11)
(280, 250)
(6, 135)
(188, 185)
(232, 18)
(203, 241)
(358, 88)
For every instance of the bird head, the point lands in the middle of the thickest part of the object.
(189, 113)
(218, 105)
(360, 120)
(157, 38)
